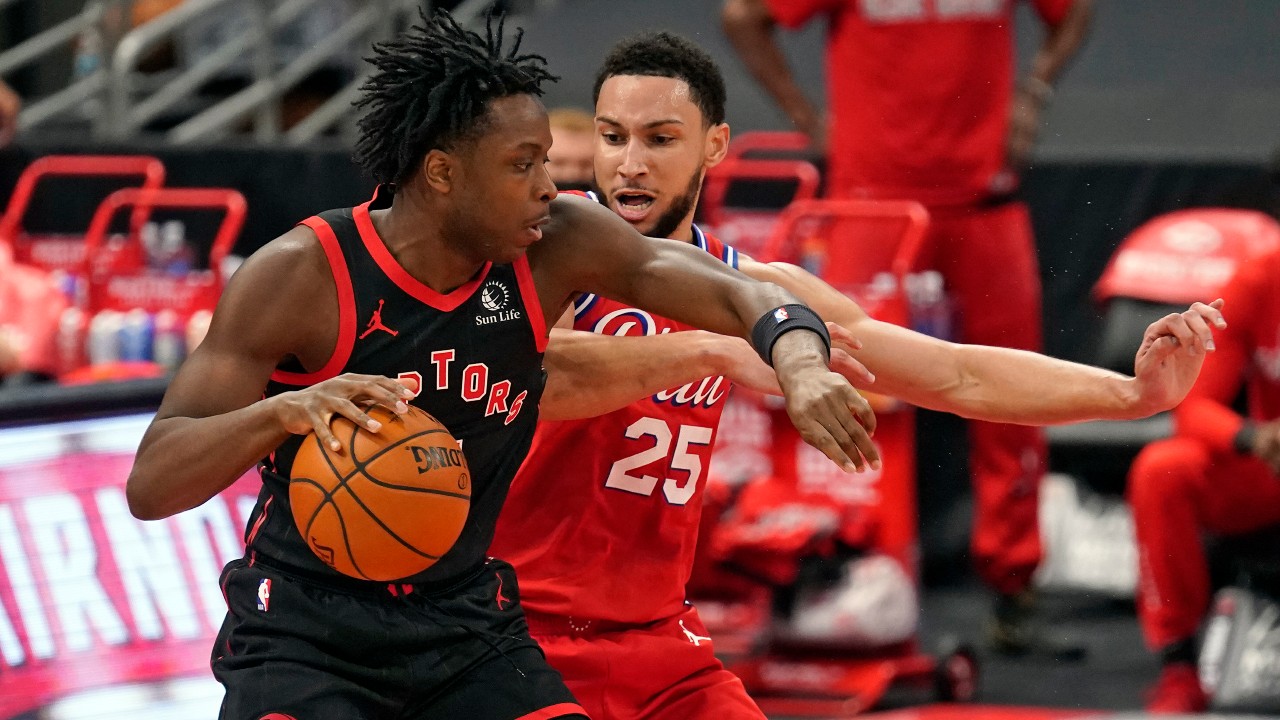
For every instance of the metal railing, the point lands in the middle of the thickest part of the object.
(121, 102)
(377, 19)
(91, 20)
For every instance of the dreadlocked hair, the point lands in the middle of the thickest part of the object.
(430, 88)
(664, 54)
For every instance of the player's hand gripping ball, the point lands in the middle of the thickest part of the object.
(390, 504)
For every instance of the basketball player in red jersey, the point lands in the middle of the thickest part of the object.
(443, 280)
(1220, 473)
(603, 577)
(923, 106)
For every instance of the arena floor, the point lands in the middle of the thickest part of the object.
(1109, 683)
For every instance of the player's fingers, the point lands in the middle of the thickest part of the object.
(385, 391)
(352, 412)
(1199, 328)
(848, 366)
(324, 433)
(862, 409)
(840, 335)
(860, 427)
(839, 432)
(1212, 313)
(392, 395)
(1174, 326)
(821, 438)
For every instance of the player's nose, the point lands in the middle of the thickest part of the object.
(633, 160)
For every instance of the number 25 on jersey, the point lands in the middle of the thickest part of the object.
(676, 492)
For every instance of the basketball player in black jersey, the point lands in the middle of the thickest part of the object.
(436, 292)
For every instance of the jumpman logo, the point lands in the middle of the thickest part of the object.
(499, 597)
(375, 323)
(695, 639)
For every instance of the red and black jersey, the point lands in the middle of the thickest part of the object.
(476, 353)
(603, 518)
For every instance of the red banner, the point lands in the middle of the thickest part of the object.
(90, 596)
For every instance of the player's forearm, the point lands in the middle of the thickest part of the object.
(589, 374)
(1016, 386)
(751, 31)
(1061, 43)
(184, 461)
(989, 383)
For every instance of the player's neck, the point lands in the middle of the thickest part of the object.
(415, 236)
(683, 231)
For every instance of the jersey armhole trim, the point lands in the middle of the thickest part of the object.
(532, 304)
(346, 310)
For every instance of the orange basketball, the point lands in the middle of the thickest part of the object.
(390, 504)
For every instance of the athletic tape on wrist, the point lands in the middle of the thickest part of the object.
(783, 319)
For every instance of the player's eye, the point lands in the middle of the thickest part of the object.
(612, 138)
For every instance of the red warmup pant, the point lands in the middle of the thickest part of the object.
(666, 670)
(987, 256)
(1178, 488)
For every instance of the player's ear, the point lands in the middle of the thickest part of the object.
(717, 145)
(437, 168)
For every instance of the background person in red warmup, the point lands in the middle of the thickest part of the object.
(923, 106)
(1220, 473)
(603, 572)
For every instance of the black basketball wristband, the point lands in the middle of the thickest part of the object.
(783, 319)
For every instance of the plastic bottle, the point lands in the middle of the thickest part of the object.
(72, 330)
(104, 337)
(169, 346)
(136, 334)
(172, 254)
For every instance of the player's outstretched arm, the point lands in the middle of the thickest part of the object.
(213, 424)
(1012, 386)
(589, 374)
(588, 248)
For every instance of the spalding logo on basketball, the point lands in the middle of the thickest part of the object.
(494, 296)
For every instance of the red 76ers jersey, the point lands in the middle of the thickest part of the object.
(602, 519)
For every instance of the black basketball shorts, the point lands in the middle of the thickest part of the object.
(290, 649)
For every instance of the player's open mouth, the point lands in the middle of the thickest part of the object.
(633, 206)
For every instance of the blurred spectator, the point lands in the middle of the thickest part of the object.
(31, 306)
(573, 141)
(1220, 473)
(924, 107)
(10, 104)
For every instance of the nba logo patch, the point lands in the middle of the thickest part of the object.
(264, 594)
(780, 314)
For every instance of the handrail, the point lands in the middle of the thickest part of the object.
(116, 79)
(120, 122)
(216, 121)
(327, 115)
(43, 42)
(73, 96)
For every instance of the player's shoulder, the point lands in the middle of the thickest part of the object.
(576, 206)
(293, 266)
(297, 249)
